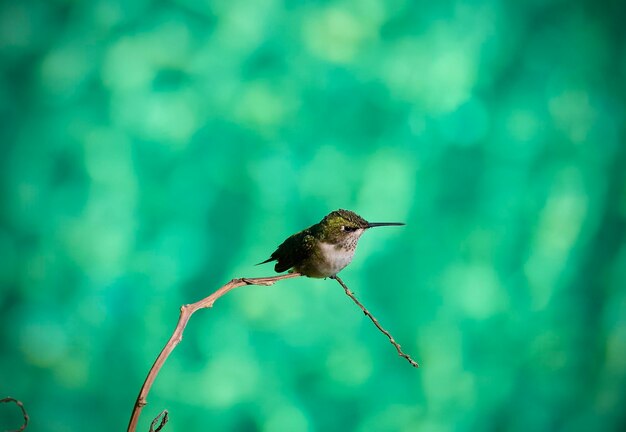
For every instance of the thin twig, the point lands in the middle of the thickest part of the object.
(163, 420)
(376, 323)
(24, 413)
(185, 313)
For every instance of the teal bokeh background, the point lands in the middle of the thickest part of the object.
(152, 151)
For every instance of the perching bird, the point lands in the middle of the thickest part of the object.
(324, 249)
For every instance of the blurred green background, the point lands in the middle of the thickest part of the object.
(152, 151)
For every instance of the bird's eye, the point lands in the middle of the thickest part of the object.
(348, 229)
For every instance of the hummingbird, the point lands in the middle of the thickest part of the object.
(324, 249)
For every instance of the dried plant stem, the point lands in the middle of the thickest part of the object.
(185, 313)
(376, 323)
(161, 419)
(24, 413)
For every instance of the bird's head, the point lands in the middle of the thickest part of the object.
(345, 226)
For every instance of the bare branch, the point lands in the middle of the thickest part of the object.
(24, 413)
(163, 420)
(185, 313)
(376, 323)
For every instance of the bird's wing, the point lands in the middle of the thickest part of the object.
(294, 250)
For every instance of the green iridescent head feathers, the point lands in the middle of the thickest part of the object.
(345, 218)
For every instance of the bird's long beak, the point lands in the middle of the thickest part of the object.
(378, 224)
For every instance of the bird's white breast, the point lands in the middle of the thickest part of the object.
(335, 258)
